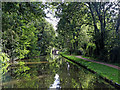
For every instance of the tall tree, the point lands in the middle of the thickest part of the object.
(22, 24)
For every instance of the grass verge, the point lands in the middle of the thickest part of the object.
(103, 70)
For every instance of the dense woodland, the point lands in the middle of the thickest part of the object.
(90, 29)
(26, 33)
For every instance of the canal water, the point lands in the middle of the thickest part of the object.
(52, 72)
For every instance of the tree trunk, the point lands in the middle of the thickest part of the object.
(118, 24)
(96, 30)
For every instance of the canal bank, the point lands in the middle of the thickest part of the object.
(109, 74)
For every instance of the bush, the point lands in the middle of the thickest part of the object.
(103, 55)
(90, 49)
(115, 55)
(4, 61)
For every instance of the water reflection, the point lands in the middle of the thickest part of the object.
(68, 66)
(56, 83)
(58, 73)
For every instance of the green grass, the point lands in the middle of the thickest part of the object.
(103, 70)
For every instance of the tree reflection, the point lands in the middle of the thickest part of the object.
(42, 75)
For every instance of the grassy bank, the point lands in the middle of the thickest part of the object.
(103, 70)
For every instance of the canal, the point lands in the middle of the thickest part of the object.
(51, 72)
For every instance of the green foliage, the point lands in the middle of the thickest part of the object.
(4, 61)
(90, 50)
(90, 27)
(21, 70)
(26, 33)
(70, 27)
(115, 55)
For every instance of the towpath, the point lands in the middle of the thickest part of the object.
(110, 65)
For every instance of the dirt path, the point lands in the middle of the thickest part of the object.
(100, 62)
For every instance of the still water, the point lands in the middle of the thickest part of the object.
(55, 72)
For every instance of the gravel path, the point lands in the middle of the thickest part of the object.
(100, 62)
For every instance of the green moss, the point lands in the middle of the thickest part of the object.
(103, 70)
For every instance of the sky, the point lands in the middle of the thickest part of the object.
(51, 18)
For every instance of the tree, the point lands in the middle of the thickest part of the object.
(22, 25)
(72, 17)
